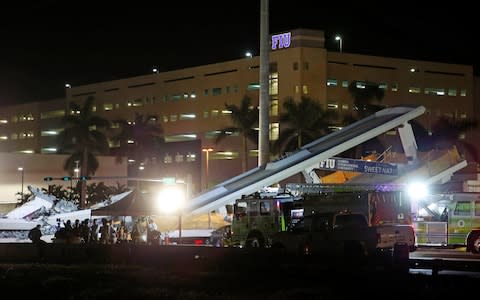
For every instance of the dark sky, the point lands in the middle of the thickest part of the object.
(47, 43)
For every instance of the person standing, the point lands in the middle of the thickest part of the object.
(35, 235)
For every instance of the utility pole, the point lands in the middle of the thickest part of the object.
(263, 137)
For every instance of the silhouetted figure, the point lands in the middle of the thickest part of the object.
(94, 232)
(122, 233)
(35, 235)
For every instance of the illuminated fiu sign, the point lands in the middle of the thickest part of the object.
(282, 40)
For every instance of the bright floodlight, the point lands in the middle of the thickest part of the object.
(337, 38)
(417, 190)
(171, 199)
(248, 54)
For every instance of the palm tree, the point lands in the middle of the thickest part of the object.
(364, 94)
(245, 122)
(306, 121)
(84, 141)
(139, 139)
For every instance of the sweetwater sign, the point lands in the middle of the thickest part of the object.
(282, 40)
(358, 165)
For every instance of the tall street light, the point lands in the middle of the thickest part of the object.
(339, 39)
(21, 170)
(207, 159)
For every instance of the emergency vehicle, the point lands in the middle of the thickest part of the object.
(257, 218)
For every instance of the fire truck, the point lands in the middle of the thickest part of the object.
(450, 220)
(257, 218)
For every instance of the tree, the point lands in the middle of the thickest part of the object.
(364, 95)
(366, 101)
(305, 122)
(245, 121)
(446, 132)
(139, 139)
(83, 140)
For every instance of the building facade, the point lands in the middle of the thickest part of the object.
(190, 103)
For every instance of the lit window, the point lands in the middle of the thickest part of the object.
(173, 118)
(3, 137)
(191, 157)
(187, 116)
(179, 158)
(205, 114)
(345, 106)
(3, 121)
(332, 105)
(331, 82)
(212, 134)
(305, 89)
(52, 114)
(108, 107)
(165, 119)
(273, 84)
(452, 92)
(180, 138)
(253, 86)
(414, 90)
(360, 85)
(345, 83)
(395, 87)
(297, 89)
(168, 159)
(228, 155)
(193, 95)
(274, 131)
(28, 151)
(274, 107)
(214, 113)
(383, 86)
(435, 91)
(48, 150)
(463, 92)
(49, 132)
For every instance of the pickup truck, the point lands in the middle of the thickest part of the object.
(330, 234)
(388, 235)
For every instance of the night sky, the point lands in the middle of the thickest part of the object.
(45, 44)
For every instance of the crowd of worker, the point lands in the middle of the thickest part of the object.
(141, 231)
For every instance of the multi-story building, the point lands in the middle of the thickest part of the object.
(190, 103)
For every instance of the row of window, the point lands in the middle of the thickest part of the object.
(19, 136)
(394, 88)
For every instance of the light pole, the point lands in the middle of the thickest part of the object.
(21, 170)
(207, 159)
(339, 39)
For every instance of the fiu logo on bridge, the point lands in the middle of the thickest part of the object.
(281, 40)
